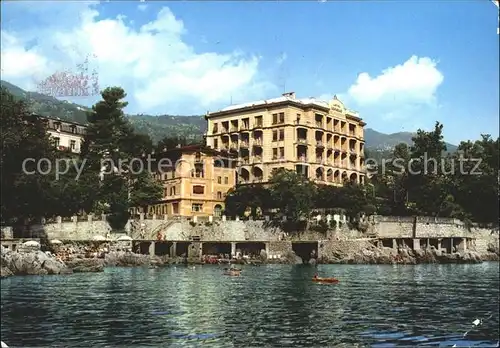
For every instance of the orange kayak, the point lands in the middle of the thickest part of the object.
(325, 280)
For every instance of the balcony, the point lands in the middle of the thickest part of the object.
(319, 143)
(302, 141)
(244, 127)
(223, 130)
(245, 160)
(257, 125)
(318, 160)
(257, 159)
(234, 146)
(234, 128)
(224, 147)
(257, 142)
(302, 158)
(353, 151)
(244, 144)
(319, 124)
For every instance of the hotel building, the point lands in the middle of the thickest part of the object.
(195, 181)
(68, 136)
(323, 140)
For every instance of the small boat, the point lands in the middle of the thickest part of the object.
(325, 280)
(234, 272)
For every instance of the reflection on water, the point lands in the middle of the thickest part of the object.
(378, 306)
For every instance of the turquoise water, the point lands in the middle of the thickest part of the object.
(275, 305)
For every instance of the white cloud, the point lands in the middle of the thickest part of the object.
(158, 70)
(414, 82)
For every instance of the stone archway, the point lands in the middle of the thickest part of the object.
(218, 210)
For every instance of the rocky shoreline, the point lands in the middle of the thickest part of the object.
(36, 262)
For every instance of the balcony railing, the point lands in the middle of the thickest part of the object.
(224, 147)
(319, 143)
(302, 140)
(318, 159)
(234, 146)
(302, 158)
(257, 142)
(257, 159)
(258, 125)
(319, 124)
(244, 143)
(234, 129)
(244, 127)
(245, 160)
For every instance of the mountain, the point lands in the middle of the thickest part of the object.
(190, 127)
(386, 142)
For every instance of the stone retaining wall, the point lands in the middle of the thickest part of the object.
(258, 230)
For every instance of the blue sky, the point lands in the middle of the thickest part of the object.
(192, 57)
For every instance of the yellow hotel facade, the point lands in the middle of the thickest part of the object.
(323, 140)
(195, 181)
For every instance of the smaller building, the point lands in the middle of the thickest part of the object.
(195, 181)
(68, 136)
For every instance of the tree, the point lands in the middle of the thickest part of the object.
(24, 137)
(292, 193)
(245, 197)
(110, 140)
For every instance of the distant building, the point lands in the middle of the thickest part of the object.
(195, 181)
(68, 136)
(323, 140)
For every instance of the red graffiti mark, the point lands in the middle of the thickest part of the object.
(69, 84)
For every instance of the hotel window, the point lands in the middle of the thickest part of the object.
(258, 121)
(219, 180)
(282, 135)
(165, 193)
(275, 135)
(282, 117)
(219, 195)
(72, 144)
(198, 190)
(275, 118)
(57, 142)
(172, 191)
(216, 143)
(197, 207)
(73, 129)
(282, 152)
(275, 153)
(226, 180)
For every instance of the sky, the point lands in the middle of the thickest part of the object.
(403, 65)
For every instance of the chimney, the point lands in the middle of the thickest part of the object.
(290, 95)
